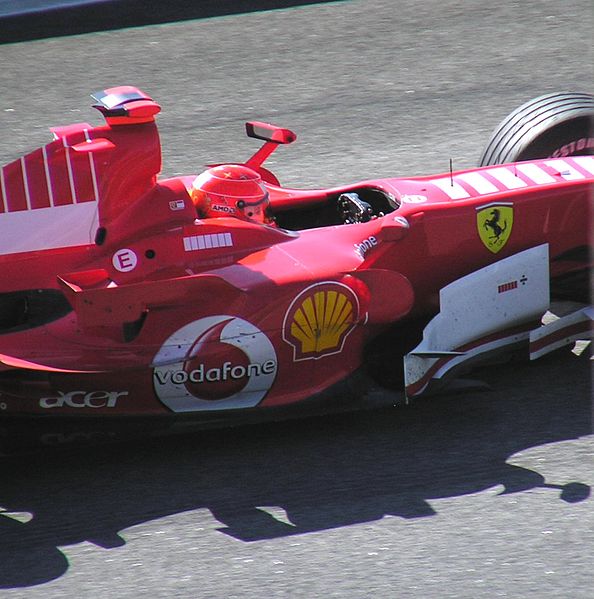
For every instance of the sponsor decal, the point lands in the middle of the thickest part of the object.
(226, 372)
(413, 198)
(207, 242)
(82, 399)
(579, 145)
(494, 224)
(222, 208)
(509, 286)
(320, 319)
(214, 363)
(362, 248)
(176, 205)
(124, 260)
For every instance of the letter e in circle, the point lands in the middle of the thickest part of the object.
(124, 260)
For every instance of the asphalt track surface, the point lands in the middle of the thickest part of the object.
(483, 494)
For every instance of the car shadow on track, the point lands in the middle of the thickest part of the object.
(323, 473)
(106, 15)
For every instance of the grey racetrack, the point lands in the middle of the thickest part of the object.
(484, 494)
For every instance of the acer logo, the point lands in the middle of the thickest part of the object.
(83, 399)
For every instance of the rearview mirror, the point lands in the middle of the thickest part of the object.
(268, 132)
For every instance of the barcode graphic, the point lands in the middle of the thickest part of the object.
(207, 242)
(507, 286)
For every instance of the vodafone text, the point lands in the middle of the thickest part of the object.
(363, 247)
(226, 372)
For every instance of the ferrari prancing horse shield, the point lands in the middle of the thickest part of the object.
(494, 223)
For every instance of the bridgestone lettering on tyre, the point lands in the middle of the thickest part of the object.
(550, 126)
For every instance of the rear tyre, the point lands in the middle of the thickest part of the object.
(550, 126)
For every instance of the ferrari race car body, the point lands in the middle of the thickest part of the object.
(115, 300)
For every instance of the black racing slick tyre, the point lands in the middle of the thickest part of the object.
(550, 126)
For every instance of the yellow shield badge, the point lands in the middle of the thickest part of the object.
(494, 223)
(320, 319)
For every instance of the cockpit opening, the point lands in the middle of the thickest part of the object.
(356, 205)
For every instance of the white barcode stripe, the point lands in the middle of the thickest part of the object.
(585, 162)
(48, 180)
(454, 190)
(25, 183)
(207, 242)
(92, 166)
(70, 175)
(478, 182)
(507, 177)
(3, 187)
(565, 170)
(534, 172)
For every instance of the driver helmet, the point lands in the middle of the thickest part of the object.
(231, 190)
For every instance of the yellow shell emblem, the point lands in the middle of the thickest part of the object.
(494, 223)
(319, 320)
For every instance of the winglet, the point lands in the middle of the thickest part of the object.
(99, 301)
(125, 105)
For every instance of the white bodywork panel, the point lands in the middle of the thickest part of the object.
(47, 228)
(480, 313)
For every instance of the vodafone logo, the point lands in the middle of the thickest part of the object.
(367, 244)
(214, 363)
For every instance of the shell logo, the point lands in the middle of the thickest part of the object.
(320, 319)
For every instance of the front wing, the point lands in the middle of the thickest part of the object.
(491, 311)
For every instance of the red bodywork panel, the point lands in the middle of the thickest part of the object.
(116, 300)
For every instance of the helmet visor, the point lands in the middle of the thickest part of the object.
(257, 211)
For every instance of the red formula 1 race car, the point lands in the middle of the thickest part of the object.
(227, 295)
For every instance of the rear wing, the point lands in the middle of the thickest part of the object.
(60, 194)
